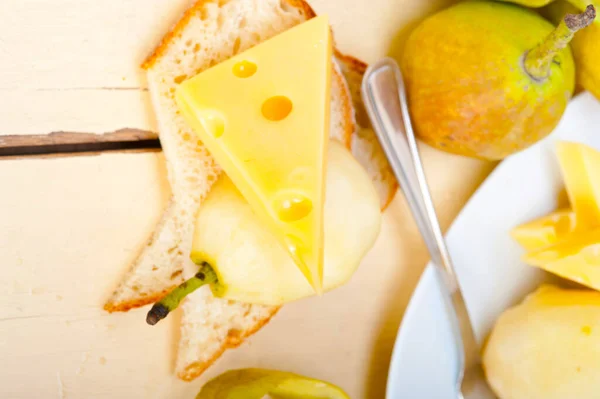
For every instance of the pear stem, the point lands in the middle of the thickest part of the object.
(538, 61)
(170, 302)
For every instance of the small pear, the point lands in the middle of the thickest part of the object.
(261, 383)
(585, 46)
(488, 79)
(547, 347)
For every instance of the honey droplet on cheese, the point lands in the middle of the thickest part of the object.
(213, 123)
(277, 108)
(291, 207)
(295, 247)
(244, 69)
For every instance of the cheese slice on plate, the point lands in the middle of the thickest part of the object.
(546, 230)
(580, 165)
(576, 258)
(264, 116)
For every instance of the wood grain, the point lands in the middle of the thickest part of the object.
(65, 143)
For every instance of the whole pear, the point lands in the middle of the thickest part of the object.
(254, 383)
(488, 79)
(585, 46)
(547, 347)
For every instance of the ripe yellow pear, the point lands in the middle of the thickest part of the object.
(488, 79)
(260, 383)
(547, 347)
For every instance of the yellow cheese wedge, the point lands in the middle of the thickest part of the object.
(546, 230)
(264, 116)
(575, 258)
(580, 165)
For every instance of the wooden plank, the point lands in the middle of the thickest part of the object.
(71, 65)
(34, 112)
(81, 44)
(68, 229)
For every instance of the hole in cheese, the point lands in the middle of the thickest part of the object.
(291, 207)
(212, 122)
(276, 108)
(244, 69)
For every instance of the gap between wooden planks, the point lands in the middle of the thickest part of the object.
(72, 143)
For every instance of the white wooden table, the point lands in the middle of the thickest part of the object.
(69, 226)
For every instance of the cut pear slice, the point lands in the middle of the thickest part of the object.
(251, 264)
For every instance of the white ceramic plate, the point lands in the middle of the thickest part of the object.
(525, 186)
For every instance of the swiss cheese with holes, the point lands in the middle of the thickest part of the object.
(264, 116)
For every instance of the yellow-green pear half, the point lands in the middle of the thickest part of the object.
(250, 263)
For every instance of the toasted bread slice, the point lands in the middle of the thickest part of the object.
(209, 32)
(156, 270)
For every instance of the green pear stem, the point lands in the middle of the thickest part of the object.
(171, 301)
(538, 61)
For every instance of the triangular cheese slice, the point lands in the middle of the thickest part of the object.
(264, 116)
(580, 165)
(546, 230)
(576, 258)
